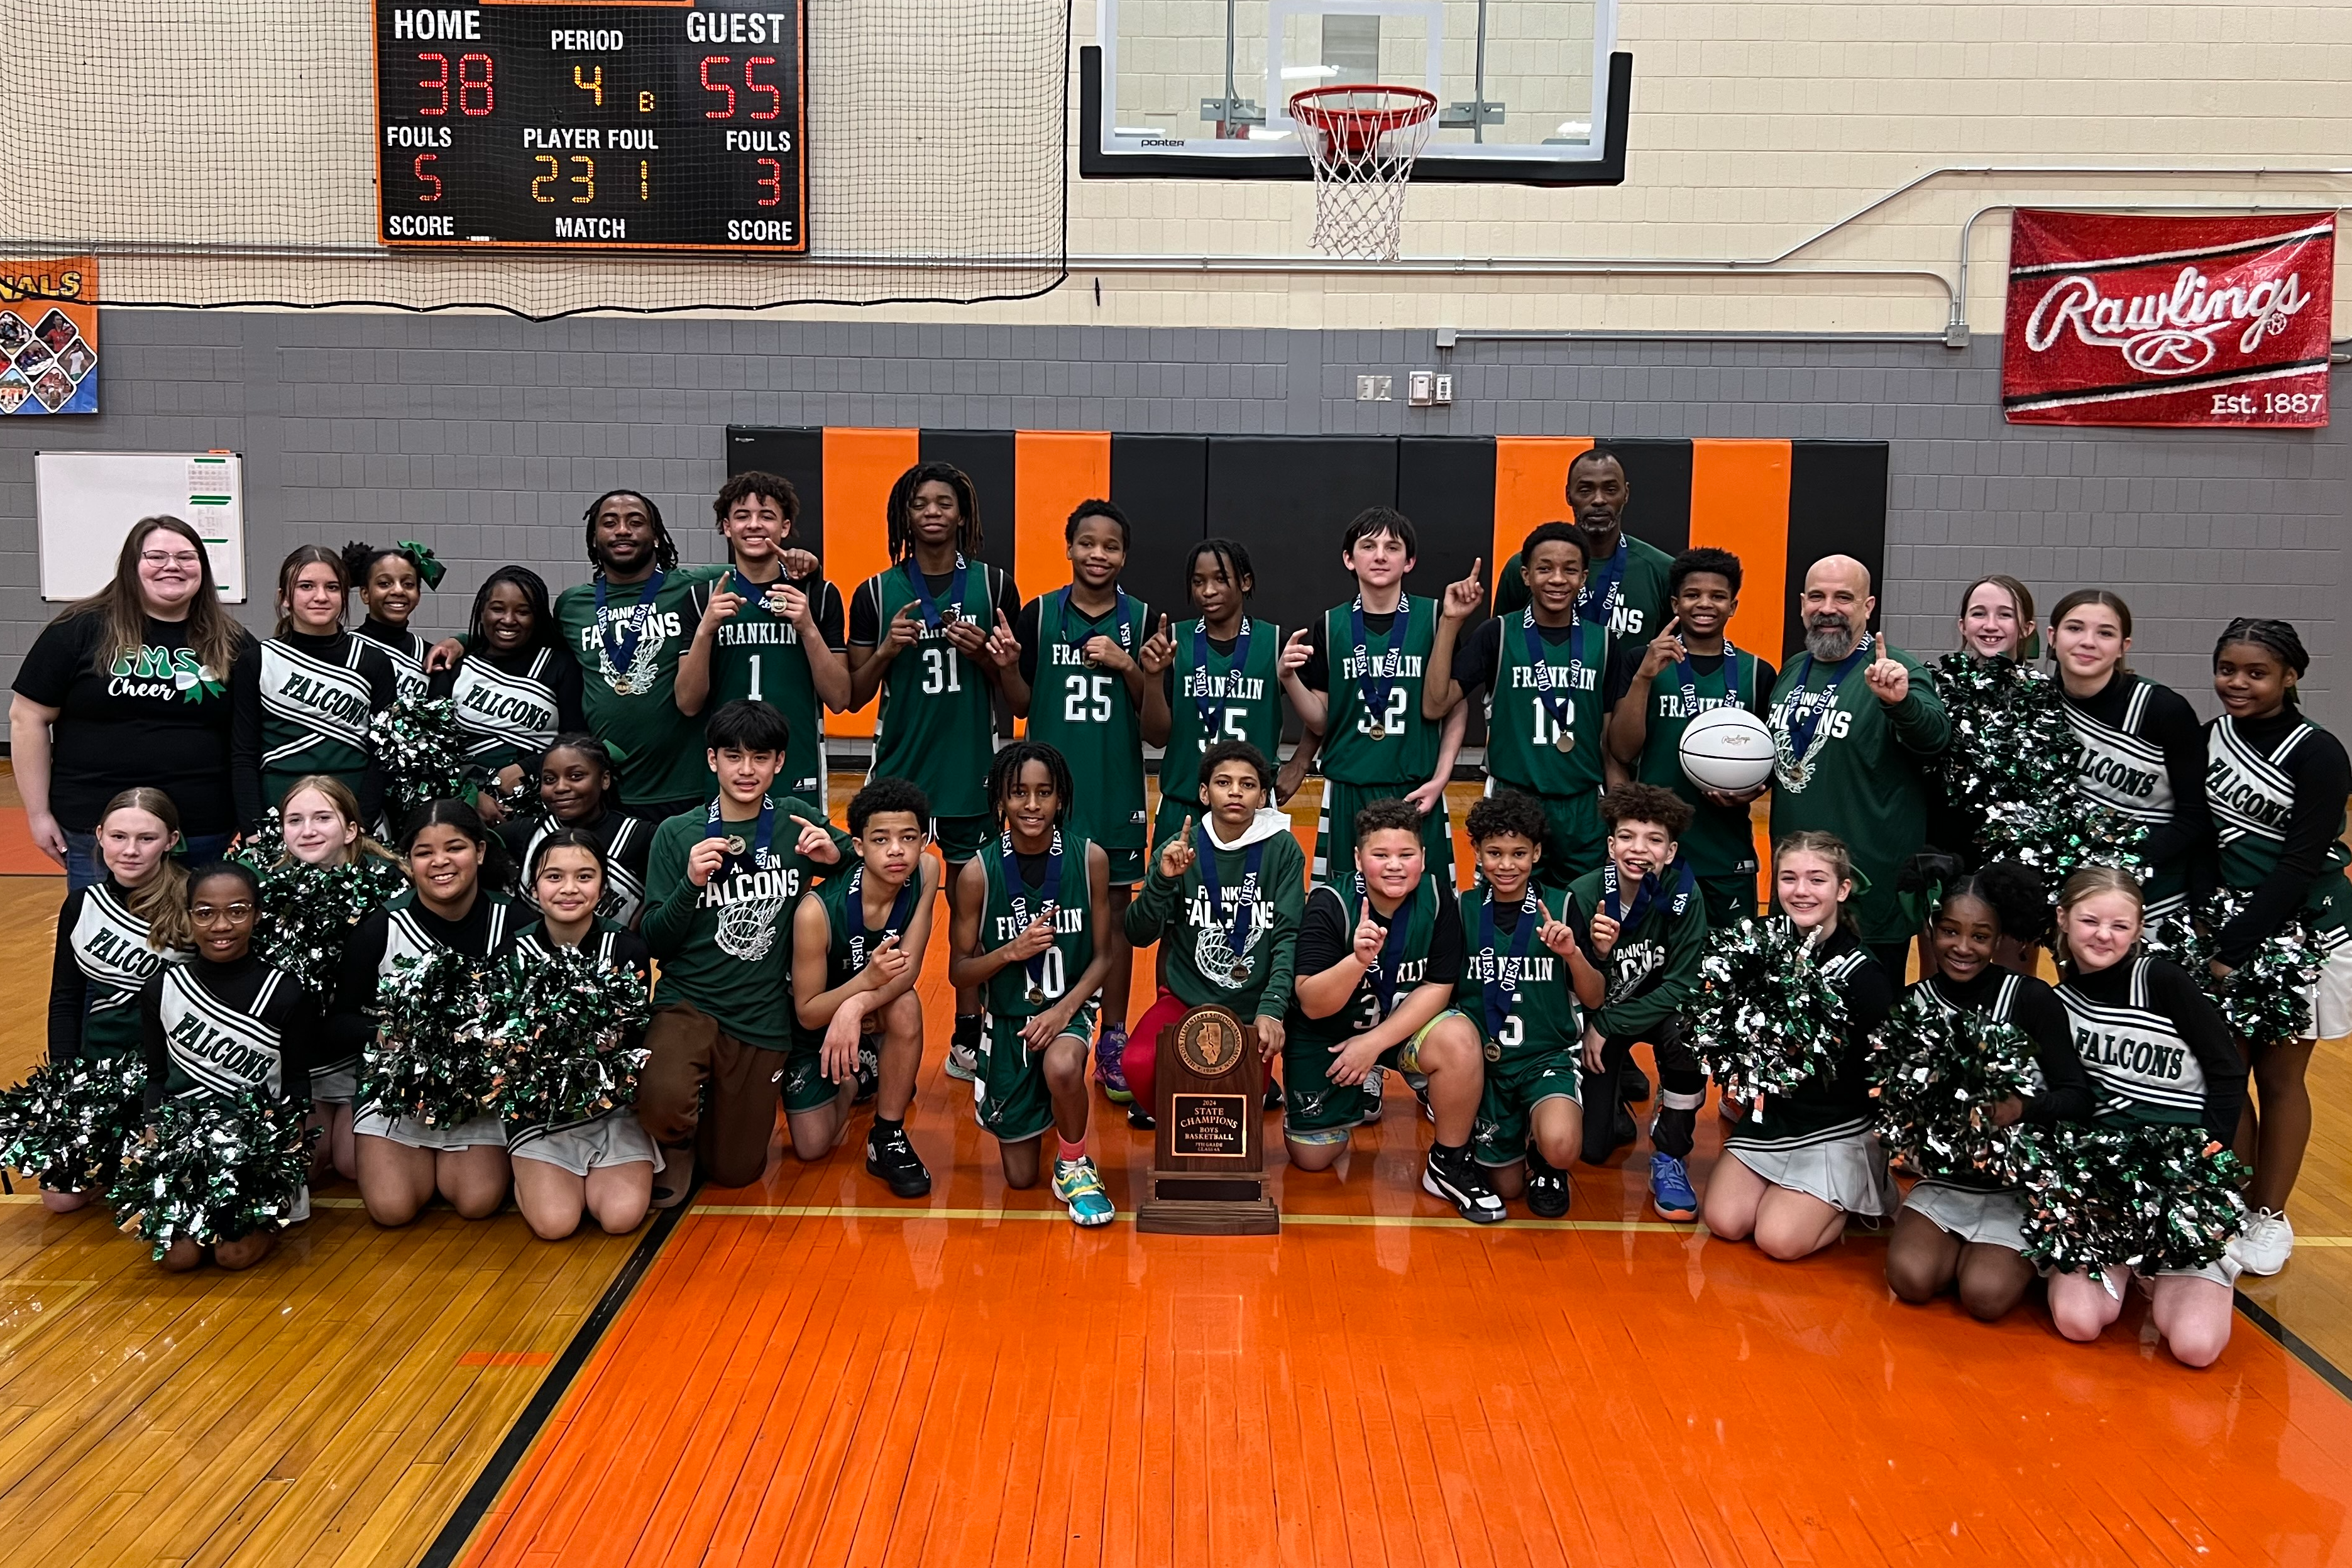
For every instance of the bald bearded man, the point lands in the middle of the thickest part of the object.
(1854, 719)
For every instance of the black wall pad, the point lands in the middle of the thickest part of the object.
(1837, 505)
(796, 456)
(1161, 483)
(987, 456)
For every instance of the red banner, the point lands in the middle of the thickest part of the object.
(2165, 321)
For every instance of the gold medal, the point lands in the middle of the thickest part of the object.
(733, 843)
(1241, 970)
(1378, 730)
(624, 687)
(1037, 995)
(1494, 1052)
(1564, 742)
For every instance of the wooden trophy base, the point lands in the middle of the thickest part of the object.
(1208, 1164)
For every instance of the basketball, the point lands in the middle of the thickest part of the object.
(1727, 748)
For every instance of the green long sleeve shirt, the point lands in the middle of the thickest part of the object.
(1199, 948)
(1653, 969)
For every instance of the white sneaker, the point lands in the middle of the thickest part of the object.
(964, 1062)
(1371, 1101)
(2265, 1245)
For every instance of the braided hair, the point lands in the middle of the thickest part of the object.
(1229, 554)
(1007, 767)
(664, 547)
(2279, 637)
(900, 509)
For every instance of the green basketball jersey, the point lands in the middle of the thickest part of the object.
(2252, 795)
(1073, 937)
(1086, 715)
(1544, 1016)
(1405, 751)
(937, 727)
(1522, 735)
(757, 656)
(1719, 841)
(1243, 701)
(1636, 610)
(1364, 1009)
(658, 749)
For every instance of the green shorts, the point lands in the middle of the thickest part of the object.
(1578, 841)
(1514, 1087)
(959, 838)
(804, 1087)
(1171, 818)
(1009, 1092)
(1125, 866)
(1335, 832)
(1729, 899)
(1316, 1111)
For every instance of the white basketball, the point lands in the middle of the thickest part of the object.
(1727, 748)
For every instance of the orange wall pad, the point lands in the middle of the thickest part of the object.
(1529, 488)
(860, 467)
(1739, 502)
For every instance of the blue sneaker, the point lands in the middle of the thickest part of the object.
(1670, 1189)
(1110, 1049)
(1079, 1184)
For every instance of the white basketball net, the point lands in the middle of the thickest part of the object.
(1362, 142)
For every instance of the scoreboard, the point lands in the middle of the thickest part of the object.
(592, 126)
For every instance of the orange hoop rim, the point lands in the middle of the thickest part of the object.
(1356, 127)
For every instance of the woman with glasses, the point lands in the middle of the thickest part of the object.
(129, 687)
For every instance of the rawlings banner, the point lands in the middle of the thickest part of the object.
(2169, 320)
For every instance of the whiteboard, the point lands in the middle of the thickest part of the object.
(88, 500)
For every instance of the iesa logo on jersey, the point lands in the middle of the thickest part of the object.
(162, 674)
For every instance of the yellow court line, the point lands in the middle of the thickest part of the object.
(41, 1316)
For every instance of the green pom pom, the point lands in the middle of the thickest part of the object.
(1937, 1077)
(214, 1168)
(2147, 1197)
(67, 1122)
(2264, 1000)
(432, 1060)
(420, 754)
(568, 1030)
(307, 912)
(2010, 771)
(1766, 1018)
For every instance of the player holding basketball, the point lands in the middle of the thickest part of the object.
(1626, 587)
(1541, 669)
(1027, 920)
(933, 634)
(1080, 684)
(765, 634)
(1656, 689)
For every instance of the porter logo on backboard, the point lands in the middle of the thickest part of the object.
(2173, 321)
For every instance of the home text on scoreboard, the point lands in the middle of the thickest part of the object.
(592, 126)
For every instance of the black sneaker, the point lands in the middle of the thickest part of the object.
(890, 1157)
(1548, 1193)
(1138, 1118)
(1632, 1084)
(1273, 1101)
(870, 1072)
(1459, 1180)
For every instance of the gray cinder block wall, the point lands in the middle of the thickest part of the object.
(486, 436)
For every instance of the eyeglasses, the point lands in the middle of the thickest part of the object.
(214, 914)
(170, 557)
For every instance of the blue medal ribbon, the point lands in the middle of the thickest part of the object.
(1613, 904)
(1805, 718)
(1238, 932)
(1501, 986)
(1598, 600)
(1212, 710)
(1562, 710)
(1123, 633)
(619, 635)
(1384, 973)
(1375, 681)
(1017, 892)
(715, 827)
(862, 938)
(1689, 677)
(922, 587)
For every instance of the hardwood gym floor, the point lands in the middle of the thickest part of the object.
(808, 1372)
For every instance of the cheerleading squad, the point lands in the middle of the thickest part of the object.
(632, 773)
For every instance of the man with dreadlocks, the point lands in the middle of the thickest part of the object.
(933, 634)
(1031, 923)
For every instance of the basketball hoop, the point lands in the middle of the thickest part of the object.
(1362, 142)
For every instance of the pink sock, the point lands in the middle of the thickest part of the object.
(1070, 1151)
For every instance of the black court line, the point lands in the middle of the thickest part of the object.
(450, 1544)
(2294, 1344)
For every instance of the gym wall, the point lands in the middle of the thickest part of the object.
(487, 436)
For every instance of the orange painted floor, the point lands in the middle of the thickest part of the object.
(813, 1373)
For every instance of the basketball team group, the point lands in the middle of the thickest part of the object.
(588, 974)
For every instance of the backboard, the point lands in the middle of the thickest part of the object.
(1528, 90)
